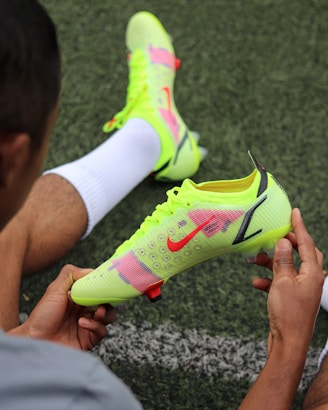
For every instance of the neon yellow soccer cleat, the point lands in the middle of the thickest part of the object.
(198, 222)
(152, 67)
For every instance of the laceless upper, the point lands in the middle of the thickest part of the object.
(192, 226)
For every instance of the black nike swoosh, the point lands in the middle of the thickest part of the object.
(240, 237)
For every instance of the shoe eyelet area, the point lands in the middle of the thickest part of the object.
(151, 245)
(153, 256)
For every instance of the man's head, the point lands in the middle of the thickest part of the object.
(29, 92)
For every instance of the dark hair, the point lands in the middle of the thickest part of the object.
(29, 68)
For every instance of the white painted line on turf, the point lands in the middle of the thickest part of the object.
(190, 350)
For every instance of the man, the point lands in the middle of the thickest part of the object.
(38, 374)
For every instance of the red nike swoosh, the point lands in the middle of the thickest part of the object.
(168, 96)
(177, 246)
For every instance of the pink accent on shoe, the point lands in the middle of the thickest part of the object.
(134, 272)
(220, 223)
(162, 56)
(171, 122)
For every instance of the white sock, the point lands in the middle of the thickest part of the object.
(113, 169)
(324, 295)
(323, 355)
(324, 305)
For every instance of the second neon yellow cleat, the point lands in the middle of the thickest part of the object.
(150, 96)
(196, 223)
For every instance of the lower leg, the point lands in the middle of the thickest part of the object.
(54, 218)
(36, 237)
(67, 202)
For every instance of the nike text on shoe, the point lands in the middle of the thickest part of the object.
(152, 67)
(196, 223)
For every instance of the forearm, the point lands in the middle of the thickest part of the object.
(278, 381)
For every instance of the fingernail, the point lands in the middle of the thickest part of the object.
(84, 322)
(284, 244)
(297, 210)
(86, 270)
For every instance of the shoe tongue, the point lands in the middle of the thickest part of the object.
(187, 188)
(187, 184)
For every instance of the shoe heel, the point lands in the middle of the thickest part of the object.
(153, 292)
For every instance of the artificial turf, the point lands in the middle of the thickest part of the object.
(254, 76)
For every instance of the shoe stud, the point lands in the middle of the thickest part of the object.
(153, 292)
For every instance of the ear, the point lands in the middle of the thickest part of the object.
(14, 154)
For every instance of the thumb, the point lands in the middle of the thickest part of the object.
(67, 276)
(283, 262)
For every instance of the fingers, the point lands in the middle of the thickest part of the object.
(96, 325)
(76, 272)
(263, 284)
(283, 262)
(320, 258)
(306, 248)
(292, 239)
(299, 225)
(98, 329)
(263, 259)
(67, 276)
(105, 314)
